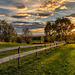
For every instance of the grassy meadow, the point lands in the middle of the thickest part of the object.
(14, 44)
(58, 61)
(12, 52)
(10, 44)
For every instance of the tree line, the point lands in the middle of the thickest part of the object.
(60, 30)
(8, 34)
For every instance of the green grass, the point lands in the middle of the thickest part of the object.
(35, 41)
(14, 44)
(7, 45)
(60, 61)
(12, 52)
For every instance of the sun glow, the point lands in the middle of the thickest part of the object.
(73, 30)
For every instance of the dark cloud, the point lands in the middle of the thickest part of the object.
(3, 15)
(20, 22)
(72, 15)
(34, 10)
(59, 10)
(19, 17)
(40, 14)
(30, 25)
(19, 5)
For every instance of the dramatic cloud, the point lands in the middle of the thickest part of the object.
(39, 31)
(4, 11)
(20, 6)
(63, 7)
(51, 5)
(33, 14)
(37, 15)
(20, 22)
(20, 17)
(3, 15)
(71, 17)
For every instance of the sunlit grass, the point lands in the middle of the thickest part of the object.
(14, 44)
(10, 44)
(12, 52)
(61, 61)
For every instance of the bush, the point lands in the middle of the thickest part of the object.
(19, 40)
(28, 40)
(49, 39)
(52, 39)
(42, 39)
(7, 39)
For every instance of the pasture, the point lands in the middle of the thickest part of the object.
(58, 61)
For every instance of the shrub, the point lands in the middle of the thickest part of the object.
(7, 39)
(42, 39)
(19, 40)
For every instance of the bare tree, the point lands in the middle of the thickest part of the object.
(27, 35)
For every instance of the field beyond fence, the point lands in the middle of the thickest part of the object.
(29, 52)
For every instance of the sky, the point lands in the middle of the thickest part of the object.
(34, 14)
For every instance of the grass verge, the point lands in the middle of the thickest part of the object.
(60, 61)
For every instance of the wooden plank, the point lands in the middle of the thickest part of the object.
(25, 53)
(13, 48)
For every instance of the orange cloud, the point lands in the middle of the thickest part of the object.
(63, 7)
(51, 5)
(24, 14)
(72, 19)
(37, 30)
(3, 15)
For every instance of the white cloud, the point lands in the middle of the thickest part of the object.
(7, 8)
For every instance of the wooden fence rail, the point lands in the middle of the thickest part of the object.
(14, 48)
(26, 53)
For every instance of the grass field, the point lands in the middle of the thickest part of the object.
(60, 61)
(14, 44)
(12, 52)
(6, 45)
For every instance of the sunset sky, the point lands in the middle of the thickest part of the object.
(34, 14)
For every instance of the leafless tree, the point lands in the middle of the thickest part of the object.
(27, 35)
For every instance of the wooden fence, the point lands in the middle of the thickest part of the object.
(14, 48)
(29, 52)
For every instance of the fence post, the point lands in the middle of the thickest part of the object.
(19, 57)
(36, 52)
(56, 44)
(45, 47)
(50, 46)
